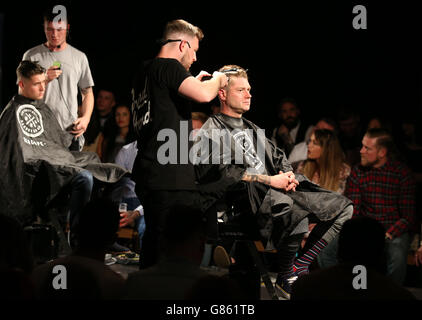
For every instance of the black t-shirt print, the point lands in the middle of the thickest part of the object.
(157, 108)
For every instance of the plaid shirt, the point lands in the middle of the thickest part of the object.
(386, 194)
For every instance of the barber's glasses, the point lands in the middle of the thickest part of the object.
(164, 42)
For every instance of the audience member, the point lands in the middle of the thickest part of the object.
(67, 72)
(291, 130)
(300, 150)
(326, 167)
(380, 122)
(343, 282)
(125, 192)
(349, 134)
(101, 117)
(179, 267)
(86, 275)
(325, 164)
(383, 188)
(117, 135)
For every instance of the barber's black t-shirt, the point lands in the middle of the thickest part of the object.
(162, 120)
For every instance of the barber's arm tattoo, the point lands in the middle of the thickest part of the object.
(85, 91)
(257, 178)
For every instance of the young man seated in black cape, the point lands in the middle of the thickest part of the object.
(232, 152)
(36, 163)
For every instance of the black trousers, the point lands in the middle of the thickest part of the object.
(157, 206)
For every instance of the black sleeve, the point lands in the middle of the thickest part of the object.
(172, 74)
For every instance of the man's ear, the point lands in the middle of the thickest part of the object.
(20, 84)
(222, 94)
(382, 152)
(182, 44)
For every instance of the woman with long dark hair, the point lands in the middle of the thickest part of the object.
(326, 166)
(326, 163)
(117, 135)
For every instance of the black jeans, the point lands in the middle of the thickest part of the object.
(157, 205)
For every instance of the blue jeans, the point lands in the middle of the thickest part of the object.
(132, 204)
(80, 194)
(397, 250)
(328, 256)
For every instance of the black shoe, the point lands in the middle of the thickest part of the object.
(117, 248)
(284, 286)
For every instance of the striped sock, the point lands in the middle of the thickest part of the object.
(301, 265)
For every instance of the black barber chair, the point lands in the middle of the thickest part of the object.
(50, 235)
(234, 226)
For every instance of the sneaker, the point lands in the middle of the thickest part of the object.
(109, 259)
(117, 248)
(221, 257)
(284, 286)
(128, 258)
(300, 271)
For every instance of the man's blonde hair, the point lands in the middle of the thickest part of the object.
(179, 27)
(233, 70)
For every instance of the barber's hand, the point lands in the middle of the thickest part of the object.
(53, 73)
(202, 74)
(128, 218)
(79, 126)
(224, 80)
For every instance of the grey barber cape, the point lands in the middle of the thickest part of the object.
(35, 162)
(226, 148)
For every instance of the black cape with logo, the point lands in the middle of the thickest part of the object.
(35, 162)
(268, 204)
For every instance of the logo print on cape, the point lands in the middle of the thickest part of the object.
(30, 120)
(245, 142)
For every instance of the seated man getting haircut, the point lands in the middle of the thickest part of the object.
(36, 163)
(231, 151)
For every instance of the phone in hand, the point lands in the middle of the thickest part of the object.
(57, 65)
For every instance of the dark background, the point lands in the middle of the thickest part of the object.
(307, 51)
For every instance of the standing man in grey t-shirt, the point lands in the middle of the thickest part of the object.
(67, 71)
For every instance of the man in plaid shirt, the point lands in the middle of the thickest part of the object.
(384, 189)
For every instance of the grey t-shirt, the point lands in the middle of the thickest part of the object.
(62, 93)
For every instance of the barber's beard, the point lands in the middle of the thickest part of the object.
(185, 61)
